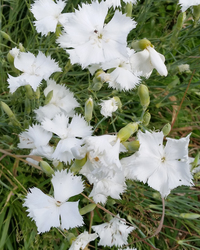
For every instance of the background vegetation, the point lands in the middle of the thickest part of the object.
(140, 205)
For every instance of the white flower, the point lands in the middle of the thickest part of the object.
(55, 211)
(14, 52)
(162, 167)
(48, 15)
(117, 3)
(34, 70)
(70, 134)
(108, 107)
(146, 60)
(82, 240)
(103, 168)
(37, 139)
(34, 137)
(92, 40)
(113, 233)
(62, 101)
(184, 68)
(123, 76)
(185, 4)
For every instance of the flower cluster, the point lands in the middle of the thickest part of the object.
(97, 42)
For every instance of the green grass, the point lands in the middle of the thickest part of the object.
(140, 205)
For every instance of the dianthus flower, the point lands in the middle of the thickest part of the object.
(92, 41)
(162, 167)
(56, 211)
(185, 4)
(48, 15)
(34, 70)
(62, 101)
(113, 233)
(70, 134)
(82, 240)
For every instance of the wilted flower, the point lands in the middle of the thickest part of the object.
(113, 233)
(55, 211)
(34, 70)
(48, 15)
(82, 240)
(108, 107)
(92, 40)
(62, 100)
(162, 167)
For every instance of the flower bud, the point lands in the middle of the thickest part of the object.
(196, 14)
(21, 47)
(27, 106)
(46, 168)
(189, 216)
(71, 237)
(48, 97)
(78, 164)
(118, 102)
(146, 118)
(127, 131)
(88, 109)
(87, 209)
(5, 35)
(166, 129)
(180, 21)
(58, 165)
(7, 110)
(144, 43)
(37, 93)
(143, 93)
(131, 146)
(128, 9)
(29, 92)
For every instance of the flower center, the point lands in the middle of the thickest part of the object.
(163, 159)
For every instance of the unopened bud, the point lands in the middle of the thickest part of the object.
(59, 166)
(78, 164)
(131, 146)
(196, 14)
(27, 106)
(48, 97)
(129, 8)
(189, 216)
(46, 168)
(71, 237)
(21, 47)
(127, 131)
(29, 91)
(146, 118)
(7, 110)
(118, 102)
(180, 21)
(5, 35)
(144, 43)
(166, 129)
(87, 209)
(88, 109)
(37, 93)
(143, 93)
